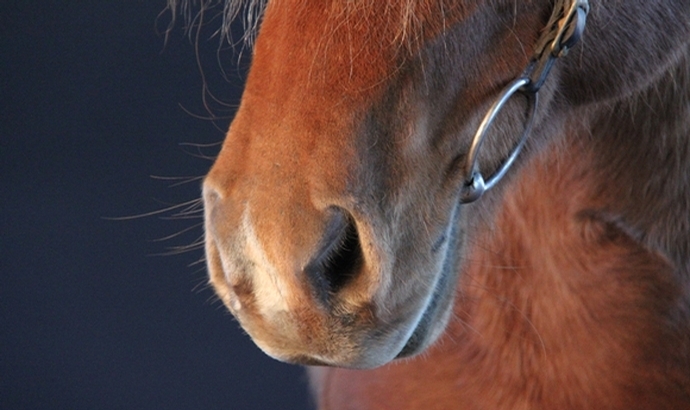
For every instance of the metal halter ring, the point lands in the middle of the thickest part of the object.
(564, 29)
(475, 184)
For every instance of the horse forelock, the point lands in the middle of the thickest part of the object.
(408, 21)
(192, 10)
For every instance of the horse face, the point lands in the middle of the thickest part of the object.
(334, 232)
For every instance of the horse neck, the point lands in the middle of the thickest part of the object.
(587, 257)
(640, 146)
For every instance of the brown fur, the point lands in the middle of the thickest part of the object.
(573, 274)
(558, 308)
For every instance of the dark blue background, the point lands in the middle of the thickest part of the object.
(92, 104)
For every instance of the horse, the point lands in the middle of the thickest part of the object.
(394, 208)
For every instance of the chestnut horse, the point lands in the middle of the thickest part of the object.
(346, 227)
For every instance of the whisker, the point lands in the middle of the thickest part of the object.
(152, 213)
(175, 235)
(180, 217)
(179, 180)
(199, 145)
(180, 250)
(199, 261)
(176, 250)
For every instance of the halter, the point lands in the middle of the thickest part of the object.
(562, 32)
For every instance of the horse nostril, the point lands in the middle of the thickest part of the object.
(339, 256)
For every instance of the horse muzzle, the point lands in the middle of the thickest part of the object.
(317, 288)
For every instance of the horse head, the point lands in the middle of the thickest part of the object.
(335, 232)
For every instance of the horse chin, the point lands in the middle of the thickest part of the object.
(433, 322)
(438, 311)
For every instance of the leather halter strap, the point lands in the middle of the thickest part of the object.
(562, 32)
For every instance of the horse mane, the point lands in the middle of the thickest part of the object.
(193, 12)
